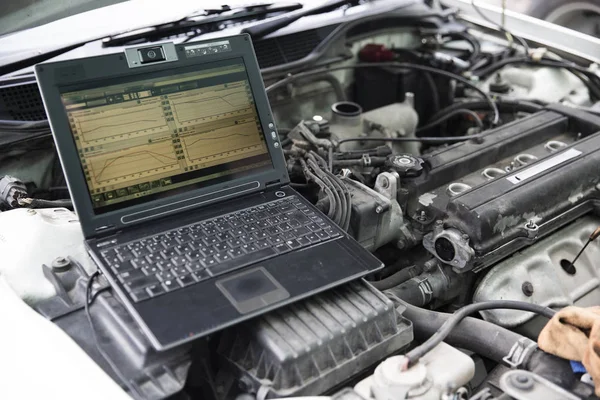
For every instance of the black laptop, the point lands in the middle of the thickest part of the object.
(178, 177)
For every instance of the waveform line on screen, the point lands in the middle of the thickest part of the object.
(211, 99)
(216, 138)
(108, 163)
(123, 113)
(124, 123)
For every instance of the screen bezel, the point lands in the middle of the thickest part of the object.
(52, 77)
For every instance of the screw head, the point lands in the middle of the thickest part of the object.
(379, 210)
(527, 288)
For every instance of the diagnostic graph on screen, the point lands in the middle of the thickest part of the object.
(131, 163)
(110, 122)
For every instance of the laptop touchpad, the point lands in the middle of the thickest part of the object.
(251, 290)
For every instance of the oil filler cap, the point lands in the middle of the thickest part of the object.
(405, 165)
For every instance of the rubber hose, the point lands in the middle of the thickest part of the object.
(489, 340)
(398, 278)
(410, 292)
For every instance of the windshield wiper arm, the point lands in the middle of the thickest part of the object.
(208, 20)
(260, 30)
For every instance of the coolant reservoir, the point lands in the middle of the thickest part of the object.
(443, 368)
(30, 238)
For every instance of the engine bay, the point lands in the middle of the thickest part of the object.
(466, 159)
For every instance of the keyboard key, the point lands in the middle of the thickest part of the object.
(282, 248)
(236, 252)
(272, 230)
(186, 280)
(169, 253)
(209, 241)
(208, 261)
(153, 258)
(184, 248)
(119, 268)
(300, 231)
(151, 269)
(303, 241)
(201, 275)
(194, 254)
(180, 270)
(261, 235)
(313, 238)
(139, 262)
(165, 275)
(275, 240)
(224, 226)
(155, 246)
(242, 261)
(288, 235)
(194, 266)
(140, 282)
(164, 265)
(130, 275)
(322, 235)
(294, 244)
(223, 236)
(331, 232)
(207, 251)
(261, 244)
(224, 256)
(155, 290)
(235, 242)
(223, 246)
(139, 295)
(313, 227)
(247, 238)
(249, 248)
(171, 284)
(179, 260)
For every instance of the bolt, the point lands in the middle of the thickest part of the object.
(531, 225)
(422, 216)
(379, 210)
(61, 264)
(527, 289)
(522, 382)
(439, 222)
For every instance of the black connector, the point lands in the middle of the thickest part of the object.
(11, 190)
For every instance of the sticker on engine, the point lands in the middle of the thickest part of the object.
(543, 166)
(203, 49)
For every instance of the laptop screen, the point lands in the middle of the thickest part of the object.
(140, 140)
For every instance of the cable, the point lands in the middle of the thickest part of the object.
(476, 47)
(504, 105)
(312, 177)
(502, 28)
(451, 114)
(89, 299)
(441, 139)
(415, 354)
(293, 77)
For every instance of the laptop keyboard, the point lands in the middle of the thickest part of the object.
(176, 259)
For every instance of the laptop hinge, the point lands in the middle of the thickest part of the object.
(275, 183)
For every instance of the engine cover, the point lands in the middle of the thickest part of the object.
(476, 203)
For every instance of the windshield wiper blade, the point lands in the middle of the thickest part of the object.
(209, 20)
(263, 29)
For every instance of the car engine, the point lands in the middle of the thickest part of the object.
(467, 162)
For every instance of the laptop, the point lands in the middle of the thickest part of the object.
(177, 175)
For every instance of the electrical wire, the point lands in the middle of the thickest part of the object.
(504, 105)
(441, 139)
(415, 354)
(89, 299)
(312, 177)
(508, 34)
(451, 114)
(391, 64)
